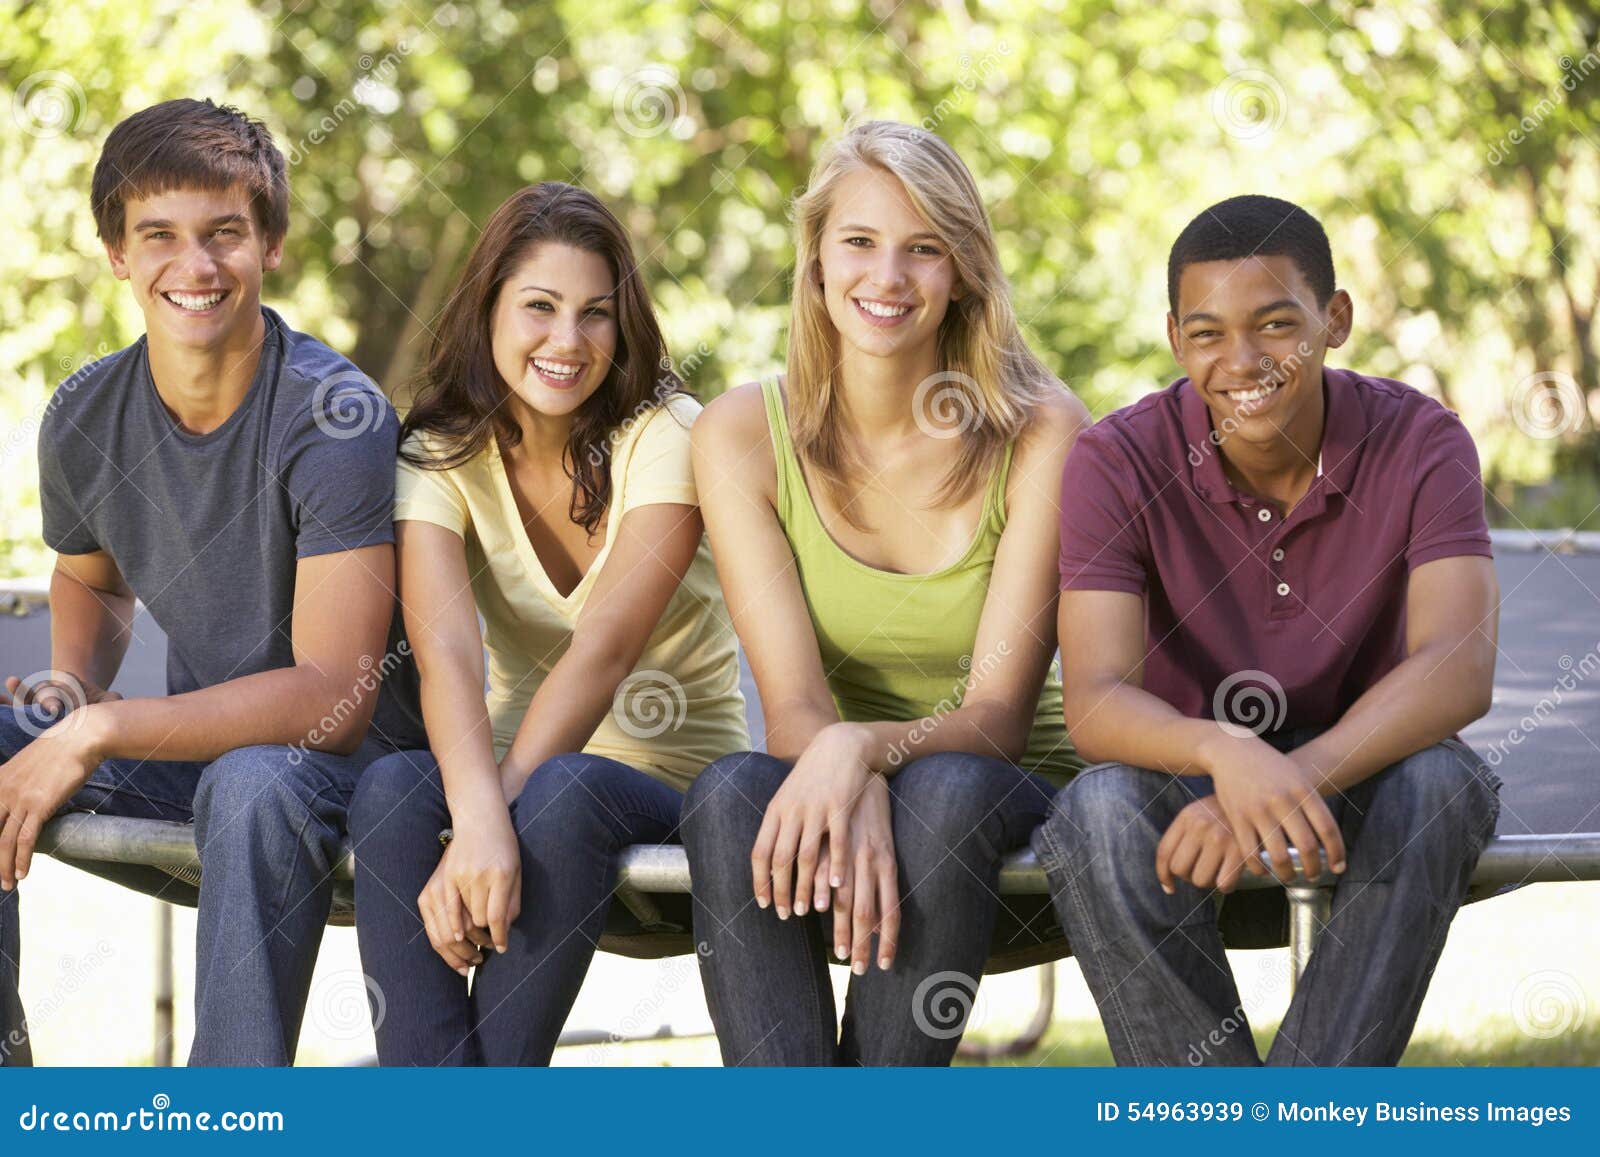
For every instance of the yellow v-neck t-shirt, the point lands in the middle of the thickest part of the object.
(681, 707)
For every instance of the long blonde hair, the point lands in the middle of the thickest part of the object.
(987, 374)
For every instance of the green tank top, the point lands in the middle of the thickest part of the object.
(899, 646)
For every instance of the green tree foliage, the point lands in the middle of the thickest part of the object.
(1451, 149)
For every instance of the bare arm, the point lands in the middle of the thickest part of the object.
(1445, 682)
(653, 550)
(735, 474)
(342, 609)
(343, 605)
(1269, 802)
(91, 617)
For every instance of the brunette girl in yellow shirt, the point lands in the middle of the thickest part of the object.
(545, 484)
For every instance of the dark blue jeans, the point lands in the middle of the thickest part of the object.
(269, 822)
(573, 816)
(955, 816)
(1155, 963)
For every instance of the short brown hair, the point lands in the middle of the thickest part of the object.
(189, 144)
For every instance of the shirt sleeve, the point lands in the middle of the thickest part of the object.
(657, 464)
(423, 495)
(338, 466)
(66, 528)
(1103, 545)
(1447, 496)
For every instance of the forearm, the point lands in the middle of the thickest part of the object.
(1424, 700)
(89, 629)
(294, 706)
(567, 707)
(793, 724)
(460, 734)
(987, 729)
(1113, 721)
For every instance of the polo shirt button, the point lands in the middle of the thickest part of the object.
(1283, 588)
(1277, 555)
(1264, 514)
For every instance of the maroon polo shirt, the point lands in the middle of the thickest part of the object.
(1316, 600)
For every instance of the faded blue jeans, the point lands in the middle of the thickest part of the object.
(573, 816)
(1155, 963)
(269, 824)
(954, 816)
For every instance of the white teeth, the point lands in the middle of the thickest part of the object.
(556, 369)
(1254, 395)
(877, 310)
(194, 301)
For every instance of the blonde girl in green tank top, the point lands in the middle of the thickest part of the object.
(884, 522)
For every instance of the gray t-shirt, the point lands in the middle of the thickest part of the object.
(207, 528)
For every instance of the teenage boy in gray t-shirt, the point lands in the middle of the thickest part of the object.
(236, 477)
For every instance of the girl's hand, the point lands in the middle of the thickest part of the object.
(869, 899)
(810, 813)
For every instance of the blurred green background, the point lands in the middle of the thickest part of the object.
(1450, 148)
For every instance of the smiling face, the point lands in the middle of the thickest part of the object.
(195, 260)
(554, 328)
(1251, 337)
(886, 277)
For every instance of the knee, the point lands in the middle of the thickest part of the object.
(1443, 790)
(947, 801)
(251, 789)
(726, 801)
(402, 783)
(1107, 812)
(567, 796)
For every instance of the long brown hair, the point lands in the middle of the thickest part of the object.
(460, 399)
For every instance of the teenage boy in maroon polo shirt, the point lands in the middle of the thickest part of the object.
(1278, 608)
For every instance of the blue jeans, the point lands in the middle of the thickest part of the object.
(766, 980)
(572, 817)
(1155, 963)
(269, 823)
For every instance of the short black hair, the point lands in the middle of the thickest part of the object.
(1254, 226)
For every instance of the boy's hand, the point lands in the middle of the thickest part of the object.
(36, 781)
(1200, 847)
(56, 693)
